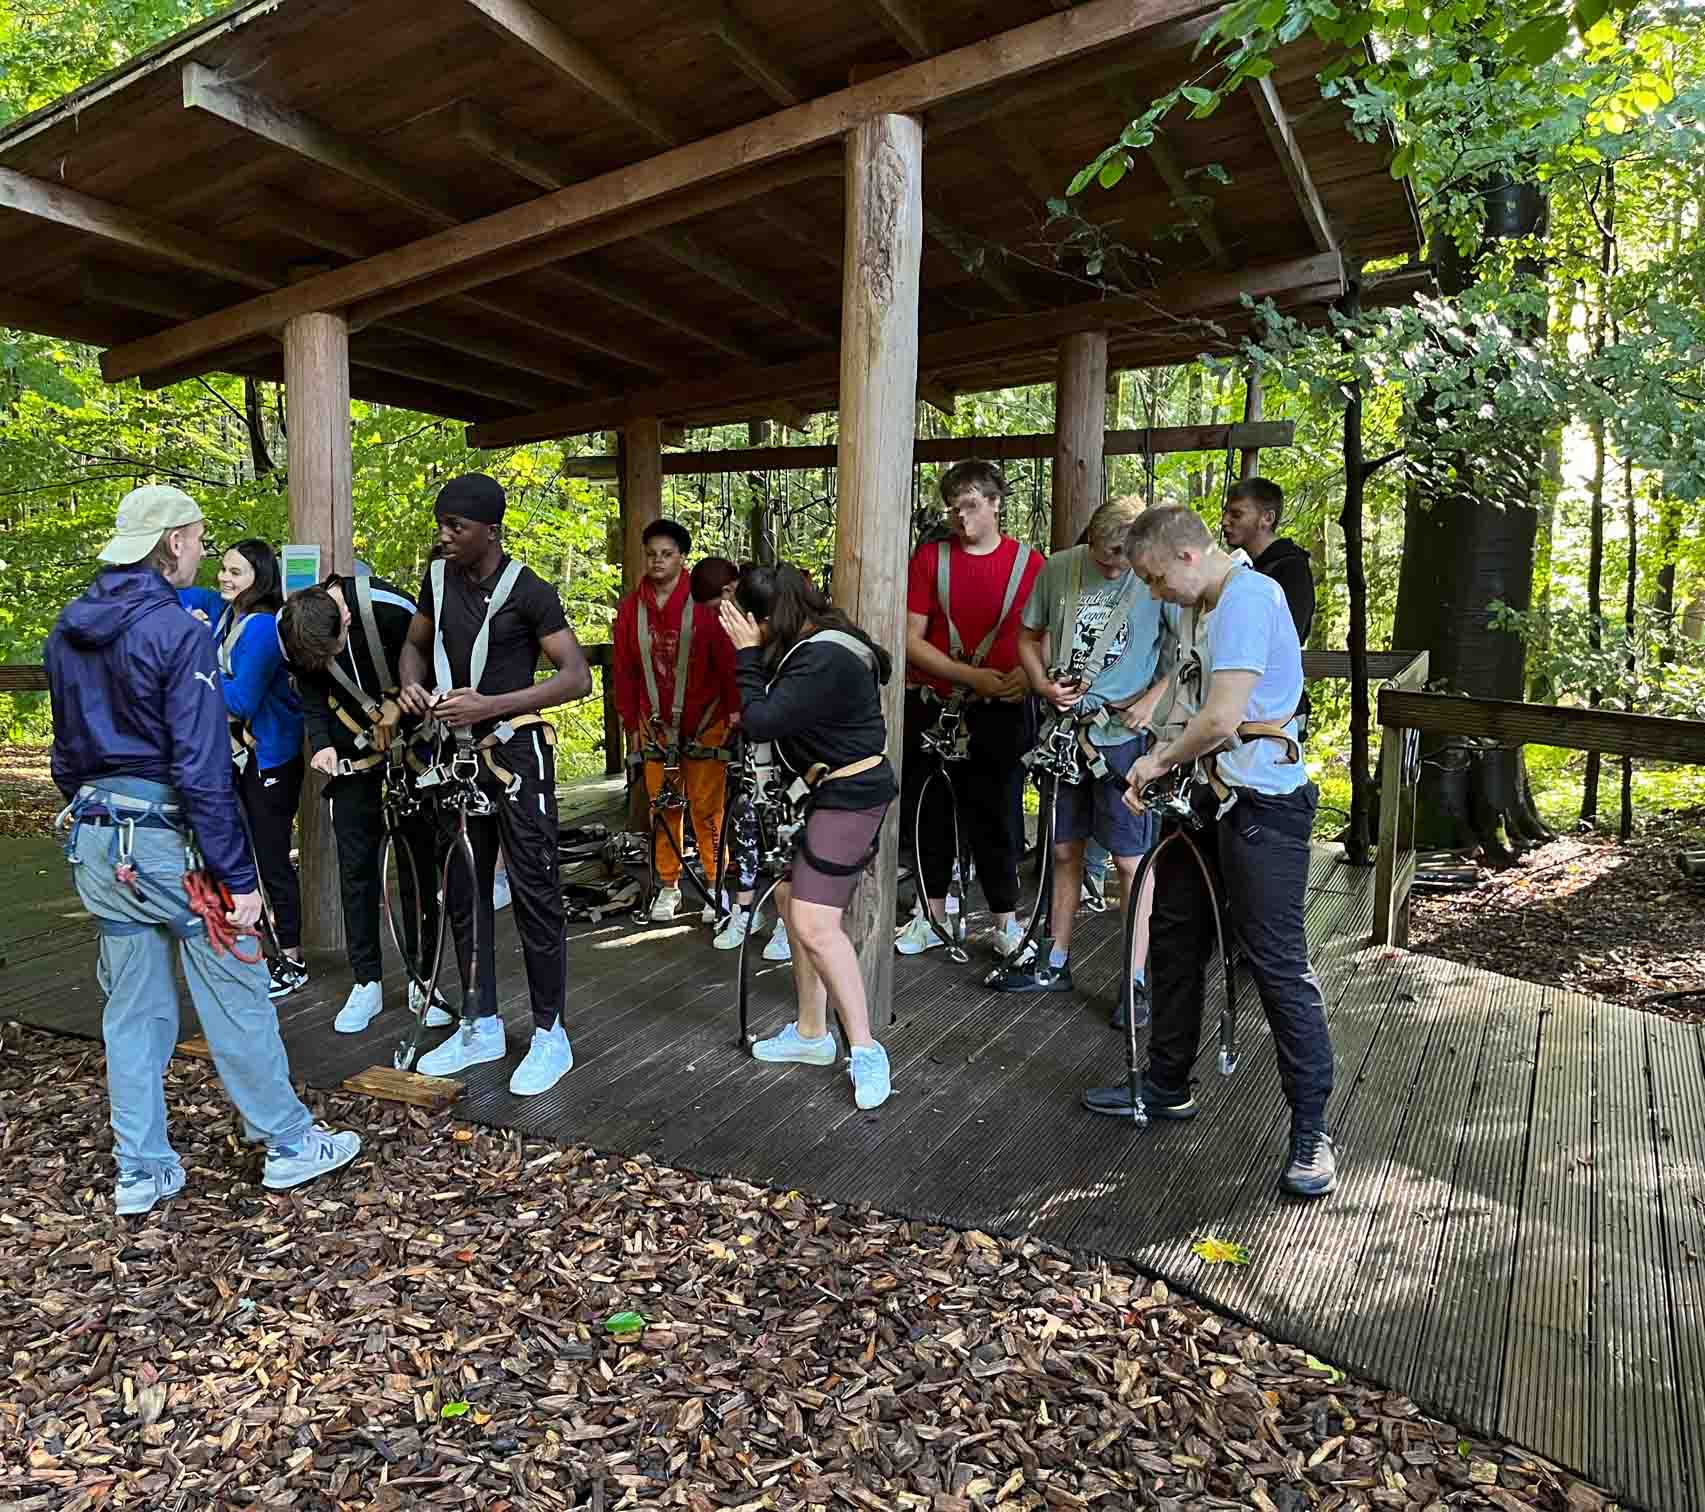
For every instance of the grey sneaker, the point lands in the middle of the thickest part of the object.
(791, 1045)
(1313, 1167)
(870, 1078)
(318, 1151)
(138, 1191)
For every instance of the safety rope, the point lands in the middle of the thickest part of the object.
(210, 900)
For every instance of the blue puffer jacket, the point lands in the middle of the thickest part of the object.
(136, 693)
(258, 691)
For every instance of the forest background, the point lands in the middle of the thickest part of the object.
(1561, 377)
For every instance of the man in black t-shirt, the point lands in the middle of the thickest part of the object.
(498, 703)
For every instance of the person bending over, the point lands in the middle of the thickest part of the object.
(674, 688)
(482, 623)
(1091, 645)
(811, 681)
(964, 599)
(343, 643)
(141, 753)
(1244, 735)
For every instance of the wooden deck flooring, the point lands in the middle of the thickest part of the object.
(1517, 1242)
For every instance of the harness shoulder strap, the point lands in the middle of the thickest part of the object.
(1116, 618)
(228, 642)
(370, 633)
(482, 641)
(683, 652)
(440, 656)
(943, 589)
(1066, 621)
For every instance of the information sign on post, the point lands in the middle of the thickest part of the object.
(301, 568)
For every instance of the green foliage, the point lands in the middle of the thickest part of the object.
(1652, 671)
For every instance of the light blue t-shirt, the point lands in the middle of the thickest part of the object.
(1252, 631)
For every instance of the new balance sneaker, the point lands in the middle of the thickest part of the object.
(780, 948)
(732, 935)
(868, 1069)
(1007, 938)
(916, 936)
(665, 905)
(360, 1008)
(549, 1058)
(1034, 974)
(1312, 1170)
(136, 1192)
(478, 1040)
(287, 976)
(320, 1150)
(1158, 1102)
(438, 1015)
(791, 1045)
(1094, 895)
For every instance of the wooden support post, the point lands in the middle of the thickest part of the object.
(322, 513)
(1251, 413)
(879, 395)
(1080, 412)
(642, 492)
(1394, 857)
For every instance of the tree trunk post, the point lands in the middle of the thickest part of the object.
(1080, 418)
(322, 513)
(642, 492)
(878, 403)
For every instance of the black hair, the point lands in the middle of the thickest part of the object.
(674, 529)
(1263, 493)
(781, 596)
(266, 594)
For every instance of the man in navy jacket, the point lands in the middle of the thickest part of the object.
(141, 754)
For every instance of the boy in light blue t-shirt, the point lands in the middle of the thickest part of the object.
(1259, 847)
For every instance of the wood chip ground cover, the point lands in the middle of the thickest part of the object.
(314, 1350)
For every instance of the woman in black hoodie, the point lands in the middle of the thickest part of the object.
(810, 681)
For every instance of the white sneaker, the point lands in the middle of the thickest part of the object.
(867, 1069)
(320, 1150)
(438, 1015)
(779, 949)
(741, 921)
(916, 937)
(478, 1040)
(1008, 938)
(500, 891)
(360, 1008)
(791, 1045)
(665, 905)
(549, 1059)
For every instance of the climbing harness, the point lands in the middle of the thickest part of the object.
(377, 714)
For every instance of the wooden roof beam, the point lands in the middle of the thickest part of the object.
(551, 45)
(758, 62)
(673, 186)
(332, 232)
(909, 26)
(762, 291)
(1188, 199)
(1313, 278)
(980, 258)
(1277, 125)
(91, 328)
(937, 395)
(532, 160)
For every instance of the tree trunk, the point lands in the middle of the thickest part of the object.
(1595, 559)
(255, 421)
(1193, 416)
(1358, 841)
(1626, 826)
(1663, 598)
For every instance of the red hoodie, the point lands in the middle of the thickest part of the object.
(710, 662)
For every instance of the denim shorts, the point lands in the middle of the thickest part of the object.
(1097, 807)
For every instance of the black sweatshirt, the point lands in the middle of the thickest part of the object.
(824, 706)
(393, 619)
(1288, 565)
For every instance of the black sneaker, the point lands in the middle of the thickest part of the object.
(1144, 1005)
(1313, 1167)
(1158, 1102)
(1094, 896)
(1035, 975)
(287, 976)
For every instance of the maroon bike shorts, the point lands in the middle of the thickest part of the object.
(842, 837)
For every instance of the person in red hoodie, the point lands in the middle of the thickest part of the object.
(675, 692)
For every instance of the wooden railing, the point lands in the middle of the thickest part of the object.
(1406, 712)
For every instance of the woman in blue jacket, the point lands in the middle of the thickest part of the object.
(266, 731)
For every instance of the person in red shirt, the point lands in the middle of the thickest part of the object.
(660, 632)
(965, 641)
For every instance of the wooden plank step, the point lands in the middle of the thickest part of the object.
(195, 1049)
(1456, 1356)
(1544, 1399)
(434, 1093)
(1636, 1442)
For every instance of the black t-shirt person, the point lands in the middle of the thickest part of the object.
(532, 611)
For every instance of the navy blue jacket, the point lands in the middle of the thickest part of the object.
(135, 683)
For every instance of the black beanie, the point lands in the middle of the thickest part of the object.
(473, 496)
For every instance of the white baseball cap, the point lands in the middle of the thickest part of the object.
(144, 515)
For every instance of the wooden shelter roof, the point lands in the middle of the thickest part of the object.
(284, 133)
